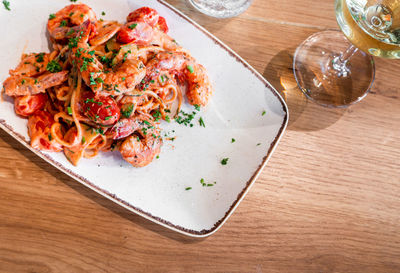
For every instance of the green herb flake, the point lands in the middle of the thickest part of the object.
(108, 117)
(50, 137)
(263, 113)
(233, 140)
(103, 13)
(69, 109)
(83, 140)
(158, 157)
(6, 4)
(52, 16)
(40, 57)
(258, 144)
(190, 68)
(132, 26)
(224, 161)
(53, 67)
(188, 188)
(36, 81)
(23, 81)
(201, 122)
(63, 23)
(127, 111)
(197, 107)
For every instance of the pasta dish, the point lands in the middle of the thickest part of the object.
(105, 85)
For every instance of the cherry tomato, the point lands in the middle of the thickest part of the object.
(102, 110)
(144, 14)
(39, 125)
(29, 104)
(162, 24)
(139, 32)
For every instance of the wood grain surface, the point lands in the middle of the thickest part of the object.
(328, 201)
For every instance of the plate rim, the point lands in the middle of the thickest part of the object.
(112, 197)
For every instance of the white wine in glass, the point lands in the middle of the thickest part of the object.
(372, 26)
(334, 73)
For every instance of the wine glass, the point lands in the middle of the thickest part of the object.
(221, 8)
(335, 73)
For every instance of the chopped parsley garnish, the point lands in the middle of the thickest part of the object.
(63, 23)
(70, 14)
(162, 78)
(152, 81)
(158, 157)
(185, 118)
(99, 80)
(39, 57)
(126, 111)
(108, 117)
(157, 115)
(197, 107)
(69, 109)
(70, 32)
(204, 184)
(188, 188)
(53, 66)
(93, 101)
(224, 161)
(23, 81)
(132, 26)
(50, 137)
(123, 79)
(263, 113)
(52, 16)
(73, 0)
(233, 140)
(190, 68)
(73, 42)
(92, 82)
(6, 4)
(201, 122)
(83, 140)
(167, 119)
(258, 144)
(103, 13)
(91, 52)
(100, 131)
(36, 81)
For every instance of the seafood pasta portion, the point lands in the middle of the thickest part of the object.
(105, 85)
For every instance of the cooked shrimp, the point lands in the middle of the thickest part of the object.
(31, 65)
(60, 24)
(21, 85)
(143, 142)
(105, 31)
(183, 66)
(122, 77)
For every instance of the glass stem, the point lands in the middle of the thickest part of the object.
(339, 63)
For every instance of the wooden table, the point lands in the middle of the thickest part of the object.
(328, 201)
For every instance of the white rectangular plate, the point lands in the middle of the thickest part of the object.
(157, 192)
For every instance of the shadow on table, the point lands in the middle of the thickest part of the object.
(304, 115)
(81, 189)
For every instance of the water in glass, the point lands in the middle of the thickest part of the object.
(221, 8)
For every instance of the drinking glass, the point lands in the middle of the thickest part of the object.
(221, 8)
(336, 72)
